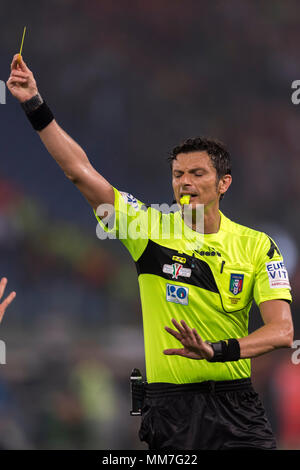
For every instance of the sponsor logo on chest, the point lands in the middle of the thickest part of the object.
(177, 294)
(177, 270)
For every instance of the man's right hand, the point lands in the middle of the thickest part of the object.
(21, 82)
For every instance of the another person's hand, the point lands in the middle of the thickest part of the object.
(21, 82)
(8, 300)
(193, 346)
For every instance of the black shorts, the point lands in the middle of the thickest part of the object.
(205, 416)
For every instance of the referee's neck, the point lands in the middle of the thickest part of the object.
(210, 222)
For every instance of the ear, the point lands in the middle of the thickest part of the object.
(224, 183)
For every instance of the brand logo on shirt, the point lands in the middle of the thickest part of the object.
(177, 270)
(236, 283)
(179, 259)
(273, 248)
(278, 276)
(177, 294)
(209, 251)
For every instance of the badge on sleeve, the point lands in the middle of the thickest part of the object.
(236, 283)
(278, 275)
(130, 199)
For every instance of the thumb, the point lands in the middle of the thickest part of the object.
(172, 352)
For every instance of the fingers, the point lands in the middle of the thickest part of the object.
(9, 299)
(6, 303)
(19, 73)
(173, 333)
(16, 81)
(187, 336)
(183, 353)
(18, 76)
(3, 283)
(199, 340)
(178, 326)
(185, 332)
(19, 64)
(192, 334)
(188, 332)
(15, 62)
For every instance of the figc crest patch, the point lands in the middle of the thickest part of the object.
(236, 283)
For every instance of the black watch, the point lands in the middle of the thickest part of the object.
(218, 351)
(32, 104)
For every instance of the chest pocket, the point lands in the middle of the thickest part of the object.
(236, 286)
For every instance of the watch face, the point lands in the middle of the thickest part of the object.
(218, 351)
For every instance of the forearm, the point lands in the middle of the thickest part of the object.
(265, 339)
(65, 151)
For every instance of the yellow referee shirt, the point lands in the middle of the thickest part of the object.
(208, 280)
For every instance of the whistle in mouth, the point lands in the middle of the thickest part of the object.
(185, 199)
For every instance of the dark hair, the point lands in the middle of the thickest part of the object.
(216, 150)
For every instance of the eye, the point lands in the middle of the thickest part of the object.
(198, 174)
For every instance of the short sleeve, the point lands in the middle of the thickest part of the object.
(127, 220)
(271, 276)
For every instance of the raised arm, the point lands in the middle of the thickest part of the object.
(66, 152)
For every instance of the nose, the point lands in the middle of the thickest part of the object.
(185, 180)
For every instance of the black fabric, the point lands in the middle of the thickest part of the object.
(159, 389)
(225, 351)
(219, 349)
(41, 117)
(211, 416)
(155, 256)
(233, 350)
(273, 248)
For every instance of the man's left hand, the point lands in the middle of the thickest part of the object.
(193, 345)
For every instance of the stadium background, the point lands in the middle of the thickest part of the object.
(129, 81)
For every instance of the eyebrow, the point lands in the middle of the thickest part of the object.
(192, 170)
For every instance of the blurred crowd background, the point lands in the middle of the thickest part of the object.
(129, 80)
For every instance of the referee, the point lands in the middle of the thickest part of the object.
(196, 290)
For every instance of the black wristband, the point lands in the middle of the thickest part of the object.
(38, 112)
(226, 350)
